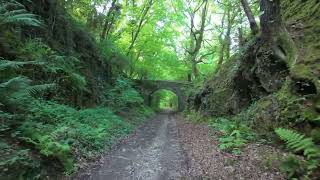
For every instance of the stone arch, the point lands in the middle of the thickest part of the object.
(177, 91)
(148, 87)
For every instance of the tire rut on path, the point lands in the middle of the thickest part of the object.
(154, 152)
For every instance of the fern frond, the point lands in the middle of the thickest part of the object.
(5, 64)
(298, 142)
(15, 84)
(11, 3)
(17, 16)
(295, 141)
(22, 19)
(14, 12)
(38, 89)
(18, 89)
(78, 81)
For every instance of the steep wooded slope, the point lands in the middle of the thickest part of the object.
(266, 90)
(57, 105)
(60, 36)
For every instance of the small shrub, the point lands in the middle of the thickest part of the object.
(234, 134)
(232, 142)
(294, 167)
(195, 116)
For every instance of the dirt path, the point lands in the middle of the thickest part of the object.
(154, 152)
(256, 162)
(168, 147)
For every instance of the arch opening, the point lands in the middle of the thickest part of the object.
(164, 100)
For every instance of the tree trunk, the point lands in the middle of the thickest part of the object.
(273, 31)
(189, 77)
(271, 23)
(197, 39)
(195, 71)
(222, 45)
(221, 55)
(228, 41)
(240, 37)
(275, 51)
(108, 21)
(201, 31)
(249, 14)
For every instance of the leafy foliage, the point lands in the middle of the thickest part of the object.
(18, 89)
(122, 96)
(294, 167)
(53, 128)
(36, 77)
(17, 162)
(65, 69)
(5, 64)
(299, 143)
(14, 13)
(195, 116)
(62, 132)
(114, 56)
(234, 134)
(164, 99)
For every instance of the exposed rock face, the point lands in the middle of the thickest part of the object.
(243, 80)
(272, 84)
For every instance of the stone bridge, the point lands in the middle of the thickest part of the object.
(148, 87)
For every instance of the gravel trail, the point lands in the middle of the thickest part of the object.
(154, 152)
(169, 147)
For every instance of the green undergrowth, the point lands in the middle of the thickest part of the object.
(51, 122)
(308, 164)
(233, 133)
(287, 117)
(44, 137)
(60, 134)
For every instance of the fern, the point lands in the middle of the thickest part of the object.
(5, 64)
(12, 90)
(68, 65)
(16, 16)
(14, 84)
(234, 135)
(38, 89)
(297, 143)
(19, 88)
(77, 81)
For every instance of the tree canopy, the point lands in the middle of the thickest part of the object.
(168, 39)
